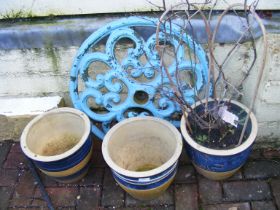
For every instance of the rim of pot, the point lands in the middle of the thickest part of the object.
(221, 152)
(42, 158)
(136, 174)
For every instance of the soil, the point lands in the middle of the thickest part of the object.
(59, 145)
(146, 167)
(215, 140)
(226, 137)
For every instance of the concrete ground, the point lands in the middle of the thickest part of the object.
(256, 186)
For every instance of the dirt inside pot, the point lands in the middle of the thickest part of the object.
(146, 167)
(226, 136)
(142, 153)
(59, 145)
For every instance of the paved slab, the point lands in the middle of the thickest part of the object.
(24, 190)
(15, 160)
(228, 206)
(61, 196)
(262, 169)
(5, 195)
(262, 205)
(256, 186)
(4, 148)
(186, 197)
(275, 185)
(93, 177)
(246, 191)
(112, 195)
(8, 177)
(89, 198)
(209, 191)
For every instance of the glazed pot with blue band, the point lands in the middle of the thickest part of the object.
(143, 153)
(218, 164)
(59, 143)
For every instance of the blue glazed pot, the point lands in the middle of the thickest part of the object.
(220, 164)
(59, 144)
(143, 153)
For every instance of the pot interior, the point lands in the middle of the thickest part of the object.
(141, 145)
(55, 133)
(225, 137)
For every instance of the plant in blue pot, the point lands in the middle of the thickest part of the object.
(219, 131)
(215, 151)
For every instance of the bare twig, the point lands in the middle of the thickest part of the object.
(259, 76)
(209, 119)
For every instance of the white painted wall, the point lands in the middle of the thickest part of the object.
(37, 73)
(28, 8)
(267, 107)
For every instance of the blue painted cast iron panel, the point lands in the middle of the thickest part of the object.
(118, 78)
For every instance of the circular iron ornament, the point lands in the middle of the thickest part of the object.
(150, 97)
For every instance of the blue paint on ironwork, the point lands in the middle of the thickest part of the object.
(123, 75)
